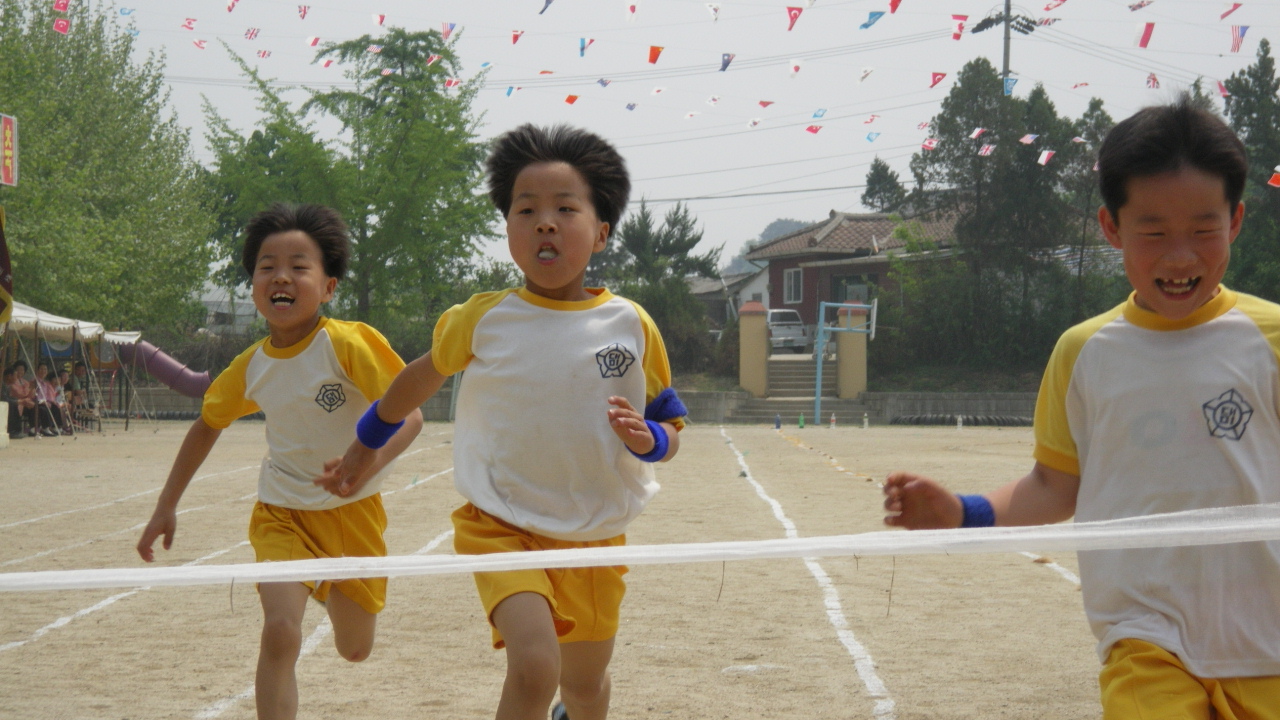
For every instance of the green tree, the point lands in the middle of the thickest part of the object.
(111, 217)
(1253, 109)
(406, 174)
(884, 191)
(660, 258)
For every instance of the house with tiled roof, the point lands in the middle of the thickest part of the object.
(844, 259)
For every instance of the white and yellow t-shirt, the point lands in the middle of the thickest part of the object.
(532, 442)
(1159, 416)
(312, 394)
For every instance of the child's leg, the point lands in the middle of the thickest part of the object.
(584, 678)
(533, 656)
(353, 626)
(283, 605)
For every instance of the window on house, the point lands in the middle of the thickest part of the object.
(792, 287)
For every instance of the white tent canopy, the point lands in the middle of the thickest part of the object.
(31, 322)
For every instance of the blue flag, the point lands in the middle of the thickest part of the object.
(871, 19)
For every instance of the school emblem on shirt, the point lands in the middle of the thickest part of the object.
(614, 360)
(331, 397)
(1228, 415)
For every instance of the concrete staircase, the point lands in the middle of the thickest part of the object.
(791, 382)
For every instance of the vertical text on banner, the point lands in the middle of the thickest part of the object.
(8, 150)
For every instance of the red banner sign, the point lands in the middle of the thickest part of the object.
(8, 150)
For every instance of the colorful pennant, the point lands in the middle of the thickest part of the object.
(793, 14)
(872, 17)
(654, 52)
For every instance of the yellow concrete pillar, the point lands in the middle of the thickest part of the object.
(753, 349)
(851, 355)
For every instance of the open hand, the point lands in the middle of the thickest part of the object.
(629, 425)
(162, 523)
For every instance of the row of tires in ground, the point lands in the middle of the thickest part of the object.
(952, 419)
(165, 415)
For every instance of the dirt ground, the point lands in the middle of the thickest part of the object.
(914, 637)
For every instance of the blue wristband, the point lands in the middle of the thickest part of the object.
(372, 431)
(660, 443)
(977, 511)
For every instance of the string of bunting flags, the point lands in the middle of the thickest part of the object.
(960, 26)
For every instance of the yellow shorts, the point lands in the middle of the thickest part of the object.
(351, 530)
(1141, 681)
(584, 601)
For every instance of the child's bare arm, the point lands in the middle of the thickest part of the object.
(164, 520)
(629, 425)
(1043, 496)
(415, 384)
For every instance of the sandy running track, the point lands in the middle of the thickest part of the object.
(990, 636)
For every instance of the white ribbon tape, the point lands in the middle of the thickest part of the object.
(1248, 523)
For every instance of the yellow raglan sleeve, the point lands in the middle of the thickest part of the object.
(224, 401)
(451, 340)
(1266, 315)
(657, 371)
(366, 356)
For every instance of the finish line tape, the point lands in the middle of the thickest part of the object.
(1217, 526)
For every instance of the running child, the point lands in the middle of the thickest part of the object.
(1168, 402)
(312, 378)
(550, 450)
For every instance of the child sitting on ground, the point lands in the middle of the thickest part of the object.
(312, 378)
(1167, 402)
(542, 459)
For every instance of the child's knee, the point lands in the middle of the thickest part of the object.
(281, 637)
(354, 651)
(534, 672)
(585, 690)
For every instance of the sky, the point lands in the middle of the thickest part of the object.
(741, 147)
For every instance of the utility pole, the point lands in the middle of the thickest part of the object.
(1008, 19)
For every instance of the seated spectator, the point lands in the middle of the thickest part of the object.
(20, 394)
(51, 406)
(78, 387)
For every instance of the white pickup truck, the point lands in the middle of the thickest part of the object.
(787, 330)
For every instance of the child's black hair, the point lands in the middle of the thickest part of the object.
(322, 224)
(1164, 138)
(599, 164)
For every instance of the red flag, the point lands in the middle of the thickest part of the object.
(6, 276)
(1273, 182)
(654, 52)
(1222, 89)
(1231, 7)
(452, 82)
(1045, 157)
(1144, 34)
(893, 6)
(766, 103)
(515, 36)
(793, 14)
(8, 150)
(61, 5)
(571, 99)
(62, 25)
(433, 59)
(957, 31)
(813, 129)
(936, 78)
(189, 24)
(313, 41)
(327, 63)
(929, 144)
(200, 43)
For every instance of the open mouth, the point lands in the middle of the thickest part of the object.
(1178, 286)
(281, 300)
(548, 252)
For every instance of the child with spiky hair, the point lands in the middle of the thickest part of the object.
(565, 402)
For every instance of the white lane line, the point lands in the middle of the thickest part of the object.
(1041, 560)
(133, 528)
(862, 661)
(322, 631)
(109, 503)
(67, 619)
